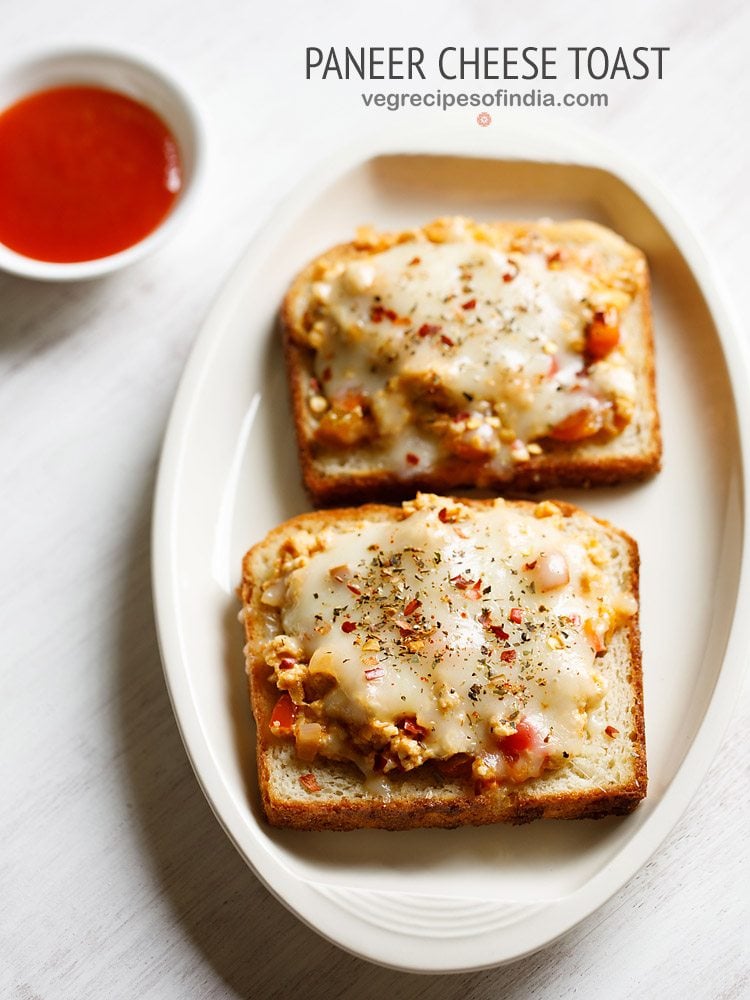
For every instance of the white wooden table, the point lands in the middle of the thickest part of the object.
(117, 881)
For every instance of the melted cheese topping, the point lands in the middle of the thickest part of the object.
(463, 348)
(438, 634)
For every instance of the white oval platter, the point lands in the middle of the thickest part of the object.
(450, 900)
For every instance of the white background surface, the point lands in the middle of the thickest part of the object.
(115, 879)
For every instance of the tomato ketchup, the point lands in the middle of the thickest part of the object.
(84, 173)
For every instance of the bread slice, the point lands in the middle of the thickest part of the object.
(320, 592)
(511, 355)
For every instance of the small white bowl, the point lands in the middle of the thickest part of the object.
(137, 79)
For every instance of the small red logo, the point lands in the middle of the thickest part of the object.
(484, 118)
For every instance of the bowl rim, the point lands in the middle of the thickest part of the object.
(21, 265)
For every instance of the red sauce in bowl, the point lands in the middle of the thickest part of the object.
(84, 173)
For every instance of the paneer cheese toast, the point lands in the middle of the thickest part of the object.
(464, 354)
(443, 663)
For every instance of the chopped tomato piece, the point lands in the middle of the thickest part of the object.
(525, 738)
(602, 335)
(282, 717)
(580, 424)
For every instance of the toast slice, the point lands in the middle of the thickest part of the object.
(511, 355)
(445, 663)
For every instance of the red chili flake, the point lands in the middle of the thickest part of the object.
(499, 632)
(462, 582)
(446, 340)
(443, 515)
(373, 673)
(508, 655)
(485, 617)
(348, 627)
(415, 260)
(411, 458)
(530, 565)
(412, 606)
(412, 727)
(510, 275)
(612, 732)
(428, 328)
(287, 664)
(575, 620)
(309, 782)
(474, 592)
(388, 313)
(516, 616)
(376, 314)
(471, 304)
(354, 589)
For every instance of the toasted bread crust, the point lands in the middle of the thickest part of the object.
(560, 465)
(458, 804)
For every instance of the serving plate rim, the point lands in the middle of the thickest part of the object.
(324, 911)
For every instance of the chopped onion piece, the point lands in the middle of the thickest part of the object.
(309, 737)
